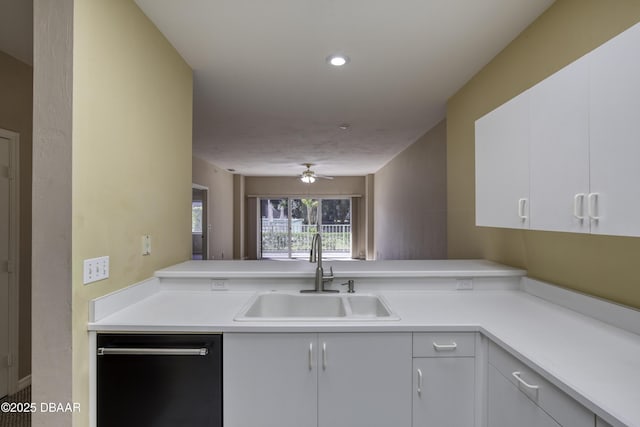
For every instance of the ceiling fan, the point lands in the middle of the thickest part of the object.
(308, 176)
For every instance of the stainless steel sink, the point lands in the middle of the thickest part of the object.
(284, 306)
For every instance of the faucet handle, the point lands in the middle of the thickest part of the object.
(350, 286)
(330, 275)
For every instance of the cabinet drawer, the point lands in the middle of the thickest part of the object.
(443, 344)
(564, 409)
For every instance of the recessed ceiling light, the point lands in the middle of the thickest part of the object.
(337, 60)
(344, 126)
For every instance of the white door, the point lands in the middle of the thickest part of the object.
(615, 135)
(508, 407)
(4, 260)
(270, 380)
(502, 165)
(364, 379)
(444, 392)
(559, 150)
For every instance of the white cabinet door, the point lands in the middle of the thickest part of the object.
(559, 150)
(615, 135)
(270, 380)
(508, 407)
(364, 379)
(443, 392)
(502, 165)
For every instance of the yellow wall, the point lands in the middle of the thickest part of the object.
(600, 265)
(289, 186)
(132, 119)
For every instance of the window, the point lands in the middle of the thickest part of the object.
(287, 226)
(196, 216)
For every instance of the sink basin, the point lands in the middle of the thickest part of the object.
(286, 306)
(368, 306)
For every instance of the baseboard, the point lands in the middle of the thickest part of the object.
(24, 382)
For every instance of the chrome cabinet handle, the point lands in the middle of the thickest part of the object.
(522, 203)
(105, 351)
(593, 206)
(445, 347)
(419, 390)
(517, 374)
(324, 356)
(578, 206)
(310, 356)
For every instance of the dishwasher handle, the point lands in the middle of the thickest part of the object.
(105, 351)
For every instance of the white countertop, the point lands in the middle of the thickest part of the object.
(594, 362)
(351, 269)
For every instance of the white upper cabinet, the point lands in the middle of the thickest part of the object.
(565, 155)
(560, 150)
(502, 165)
(614, 126)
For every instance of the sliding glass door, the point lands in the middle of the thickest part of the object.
(288, 224)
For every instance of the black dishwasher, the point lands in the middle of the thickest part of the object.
(159, 380)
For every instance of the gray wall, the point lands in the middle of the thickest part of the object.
(220, 204)
(52, 361)
(410, 201)
(16, 114)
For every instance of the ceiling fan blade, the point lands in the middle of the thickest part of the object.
(308, 173)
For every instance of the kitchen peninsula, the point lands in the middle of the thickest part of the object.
(503, 339)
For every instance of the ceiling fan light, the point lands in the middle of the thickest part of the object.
(308, 179)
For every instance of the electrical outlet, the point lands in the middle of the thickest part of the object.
(95, 269)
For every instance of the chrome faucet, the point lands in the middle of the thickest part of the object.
(315, 255)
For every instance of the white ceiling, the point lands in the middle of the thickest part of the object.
(265, 100)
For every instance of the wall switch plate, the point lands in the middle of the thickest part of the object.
(146, 245)
(95, 269)
(465, 284)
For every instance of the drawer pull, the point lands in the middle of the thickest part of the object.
(516, 375)
(445, 347)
